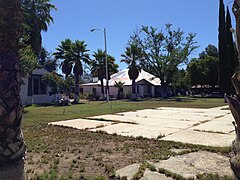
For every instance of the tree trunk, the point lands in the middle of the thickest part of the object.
(102, 90)
(134, 93)
(12, 146)
(76, 95)
(234, 102)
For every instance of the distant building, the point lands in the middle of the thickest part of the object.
(33, 91)
(147, 85)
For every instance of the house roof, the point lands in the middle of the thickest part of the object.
(123, 77)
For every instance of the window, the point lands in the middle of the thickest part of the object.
(38, 86)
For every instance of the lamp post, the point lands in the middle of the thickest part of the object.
(105, 45)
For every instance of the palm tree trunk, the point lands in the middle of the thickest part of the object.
(102, 90)
(76, 95)
(134, 93)
(234, 102)
(12, 146)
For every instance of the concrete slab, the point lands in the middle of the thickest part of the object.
(189, 165)
(128, 171)
(222, 125)
(81, 123)
(188, 125)
(201, 138)
(136, 130)
(149, 175)
(169, 122)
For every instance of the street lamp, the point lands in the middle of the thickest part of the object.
(105, 44)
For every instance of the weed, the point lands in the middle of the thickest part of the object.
(171, 174)
(209, 176)
(98, 177)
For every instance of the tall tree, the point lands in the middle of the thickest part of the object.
(63, 53)
(164, 51)
(231, 55)
(79, 56)
(132, 56)
(73, 55)
(222, 47)
(37, 17)
(12, 146)
(98, 67)
(234, 102)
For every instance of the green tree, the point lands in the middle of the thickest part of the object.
(37, 17)
(119, 85)
(47, 61)
(222, 47)
(54, 81)
(181, 81)
(98, 67)
(132, 56)
(73, 55)
(204, 70)
(231, 54)
(164, 51)
(79, 55)
(12, 144)
(63, 53)
(28, 61)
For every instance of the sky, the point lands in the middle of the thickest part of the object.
(75, 18)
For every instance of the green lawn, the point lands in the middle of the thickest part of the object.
(41, 115)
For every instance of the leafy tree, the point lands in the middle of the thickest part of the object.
(210, 50)
(164, 51)
(54, 81)
(181, 81)
(12, 144)
(98, 67)
(119, 85)
(28, 61)
(132, 56)
(47, 61)
(204, 70)
(37, 17)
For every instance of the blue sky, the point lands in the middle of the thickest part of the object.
(75, 18)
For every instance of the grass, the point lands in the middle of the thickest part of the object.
(66, 153)
(42, 115)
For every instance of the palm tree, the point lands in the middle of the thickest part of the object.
(73, 54)
(37, 14)
(12, 146)
(63, 53)
(79, 55)
(131, 56)
(119, 85)
(98, 67)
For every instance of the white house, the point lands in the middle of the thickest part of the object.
(33, 91)
(147, 85)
